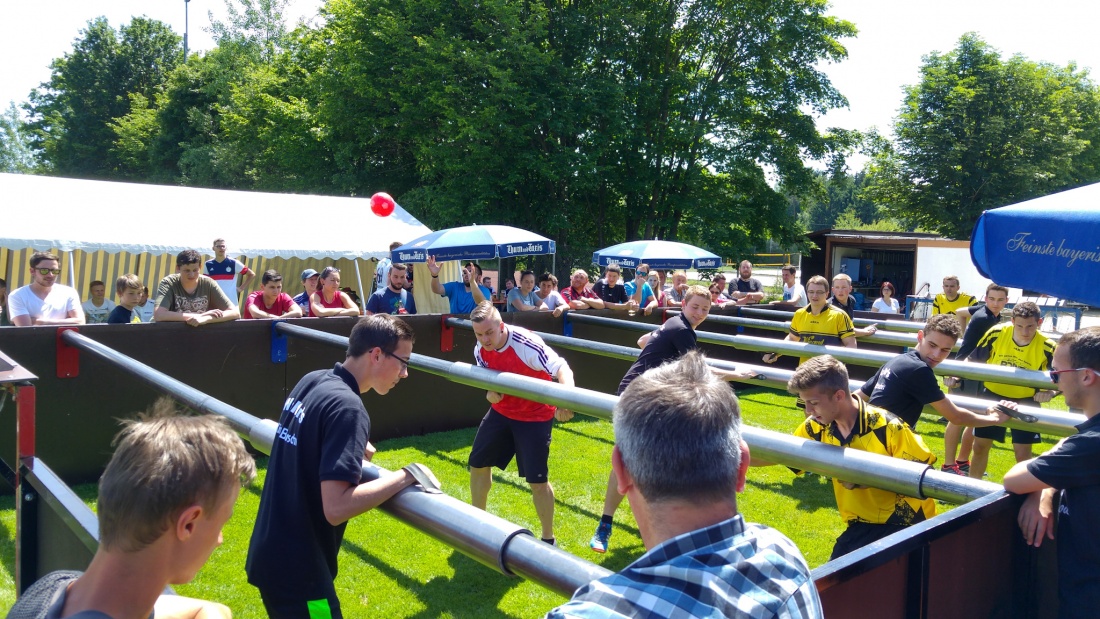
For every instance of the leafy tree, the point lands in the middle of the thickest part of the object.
(980, 132)
(90, 87)
(16, 155)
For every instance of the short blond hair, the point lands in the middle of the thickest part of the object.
(821, 371)
(485, 311)
(843, 276)
(820, 281)
(696, 291)
(127, 282)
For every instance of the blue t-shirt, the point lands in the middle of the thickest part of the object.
(121, 316)
(647, 292)
(385, 301)
(462, 301)
(530, 299)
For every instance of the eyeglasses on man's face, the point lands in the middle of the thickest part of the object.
(404, 362)
(48, 271)
(1054, 374)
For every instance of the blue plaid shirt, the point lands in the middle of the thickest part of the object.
(729, 569)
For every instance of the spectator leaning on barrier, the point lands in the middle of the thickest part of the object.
(578, 295)
(843, 300)
(678, 289)
(549, 295)
(44, 301)
(329, 300)
(310, 281)
(98, 307)
(1070, 471)
(146, 307)
(270, 301)
(187, 296)
(523, 297)
(746, 289)
(225, 270)
(167, 492)
(836, 417)
(313, 478)
(702, 558)
(612, 291)
(394, 298)
(515, 427)
(128, 291)
(638, 289)
(793, 292)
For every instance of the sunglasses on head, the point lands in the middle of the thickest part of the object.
(48, 271)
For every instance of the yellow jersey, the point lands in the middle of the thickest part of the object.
(942, 306)
(827, 328)
(998, 348)
(880, 432)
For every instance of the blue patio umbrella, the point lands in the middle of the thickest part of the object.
(474, 243)
(1050, 245)
(658, 255)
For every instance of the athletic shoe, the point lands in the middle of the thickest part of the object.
(598, 543)
(951, 468)
(964, 467)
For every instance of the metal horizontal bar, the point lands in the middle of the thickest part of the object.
(486, 538)
(889, 339)
(72, 511)
(874, 358)
(903, 326)
(888, 473)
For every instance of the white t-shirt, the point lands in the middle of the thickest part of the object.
(382, 274)
(796, 290)
(93, 314)
(881, 306)
(553, 300)
(145, 312)
(56, 306)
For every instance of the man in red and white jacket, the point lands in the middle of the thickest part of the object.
(515, 426)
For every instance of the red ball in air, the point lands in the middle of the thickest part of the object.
(382, 204)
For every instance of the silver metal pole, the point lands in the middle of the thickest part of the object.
(1050, 422)
(976, 371)
(488, 539)
(886, 323)
(884, 473)
(890, 339)
(362, 295)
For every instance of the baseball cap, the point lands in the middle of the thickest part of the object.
(308, 273)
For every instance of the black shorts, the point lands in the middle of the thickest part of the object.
(279, 606)
(500, 438)
(860, 534)
(997, 433)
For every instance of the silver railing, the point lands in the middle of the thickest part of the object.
(856, 356)
(489, 539)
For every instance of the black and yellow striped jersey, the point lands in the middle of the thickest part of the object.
(997, 347)
(942, 306)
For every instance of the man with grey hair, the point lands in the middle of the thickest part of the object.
(680, 460)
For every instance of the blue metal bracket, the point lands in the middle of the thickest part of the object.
(278, 343)
(566, 324)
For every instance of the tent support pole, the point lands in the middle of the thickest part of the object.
(362, 297)
(72, 273)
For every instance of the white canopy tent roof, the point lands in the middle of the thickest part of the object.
(42, 212)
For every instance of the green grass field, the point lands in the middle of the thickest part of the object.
(390, 570)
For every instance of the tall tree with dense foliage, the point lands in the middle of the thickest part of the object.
(91, 86)
(980, 132)
(16, 155)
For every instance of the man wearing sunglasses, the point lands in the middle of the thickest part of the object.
(43, 301)
(1072, 467)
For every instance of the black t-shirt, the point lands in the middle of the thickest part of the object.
(322, 436)
(120, 316)
(847, 307)
(609, 294)
(904, 386)
(981, 320)
(740, 285)
(668, 343)
(1074, 468)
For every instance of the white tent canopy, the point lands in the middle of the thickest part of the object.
(42, 212)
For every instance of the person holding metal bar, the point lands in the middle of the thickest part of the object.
(906, 384)
(313, 478)
(515, 427)
(168, 490)
(819, 322)
(834, 416)
(1073, 468)
(680, 460)
(674, 339)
